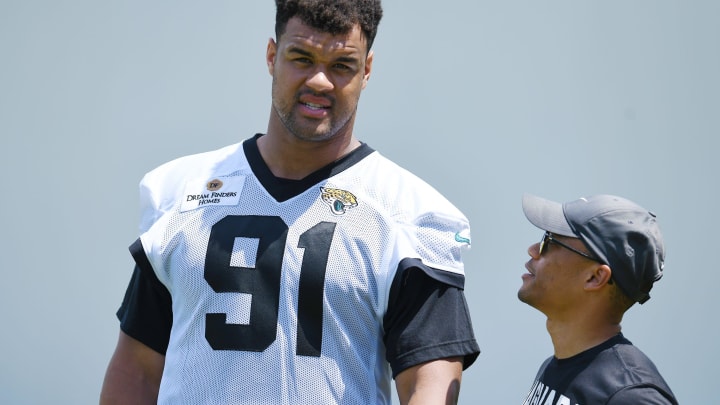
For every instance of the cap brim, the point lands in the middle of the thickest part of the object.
(546, 215)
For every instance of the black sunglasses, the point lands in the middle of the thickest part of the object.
(548, 238)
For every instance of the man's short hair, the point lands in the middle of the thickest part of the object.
(332, 16)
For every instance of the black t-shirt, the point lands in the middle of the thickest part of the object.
(614, 372)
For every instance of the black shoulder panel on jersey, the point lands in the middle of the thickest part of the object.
(454, 279)
(427, 319)
(146, 310)
(285, 189)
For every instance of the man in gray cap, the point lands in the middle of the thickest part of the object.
(599, 255)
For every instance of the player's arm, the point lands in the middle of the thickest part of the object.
(428, 335)
(434, 382)
(133, 375)
(135, 370)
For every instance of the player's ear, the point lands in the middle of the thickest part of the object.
(368, 68)
(270, 55)
(598, 277)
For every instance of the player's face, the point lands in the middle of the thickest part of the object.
(554, 281)
(317, 80)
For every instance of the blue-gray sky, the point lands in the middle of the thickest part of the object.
(485, 100)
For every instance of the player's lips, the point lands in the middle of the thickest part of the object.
(314, 106)
(315, 101)
(531, 272)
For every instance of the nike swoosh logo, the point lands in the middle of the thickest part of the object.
(461, 239)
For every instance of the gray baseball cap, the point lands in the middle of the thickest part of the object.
(618, 232)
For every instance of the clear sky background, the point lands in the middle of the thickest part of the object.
(485, 100)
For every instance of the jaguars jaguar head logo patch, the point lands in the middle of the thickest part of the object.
(339, 200)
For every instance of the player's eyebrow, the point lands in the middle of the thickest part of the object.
(303, 52)
(347, 59)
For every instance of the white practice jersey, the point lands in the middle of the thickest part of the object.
(282, 302)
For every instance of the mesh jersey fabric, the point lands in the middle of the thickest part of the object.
(280, 298)
(614, 372)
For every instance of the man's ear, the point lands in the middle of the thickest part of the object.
(368, 68)
(598, 277)
(270, 55)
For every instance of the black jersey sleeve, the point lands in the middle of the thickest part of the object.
(643, 395)
(427, 318)
(146, 311)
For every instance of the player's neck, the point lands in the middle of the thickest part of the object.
(292, 158)
(573, 337)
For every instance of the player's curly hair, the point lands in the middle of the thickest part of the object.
(331, 16)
